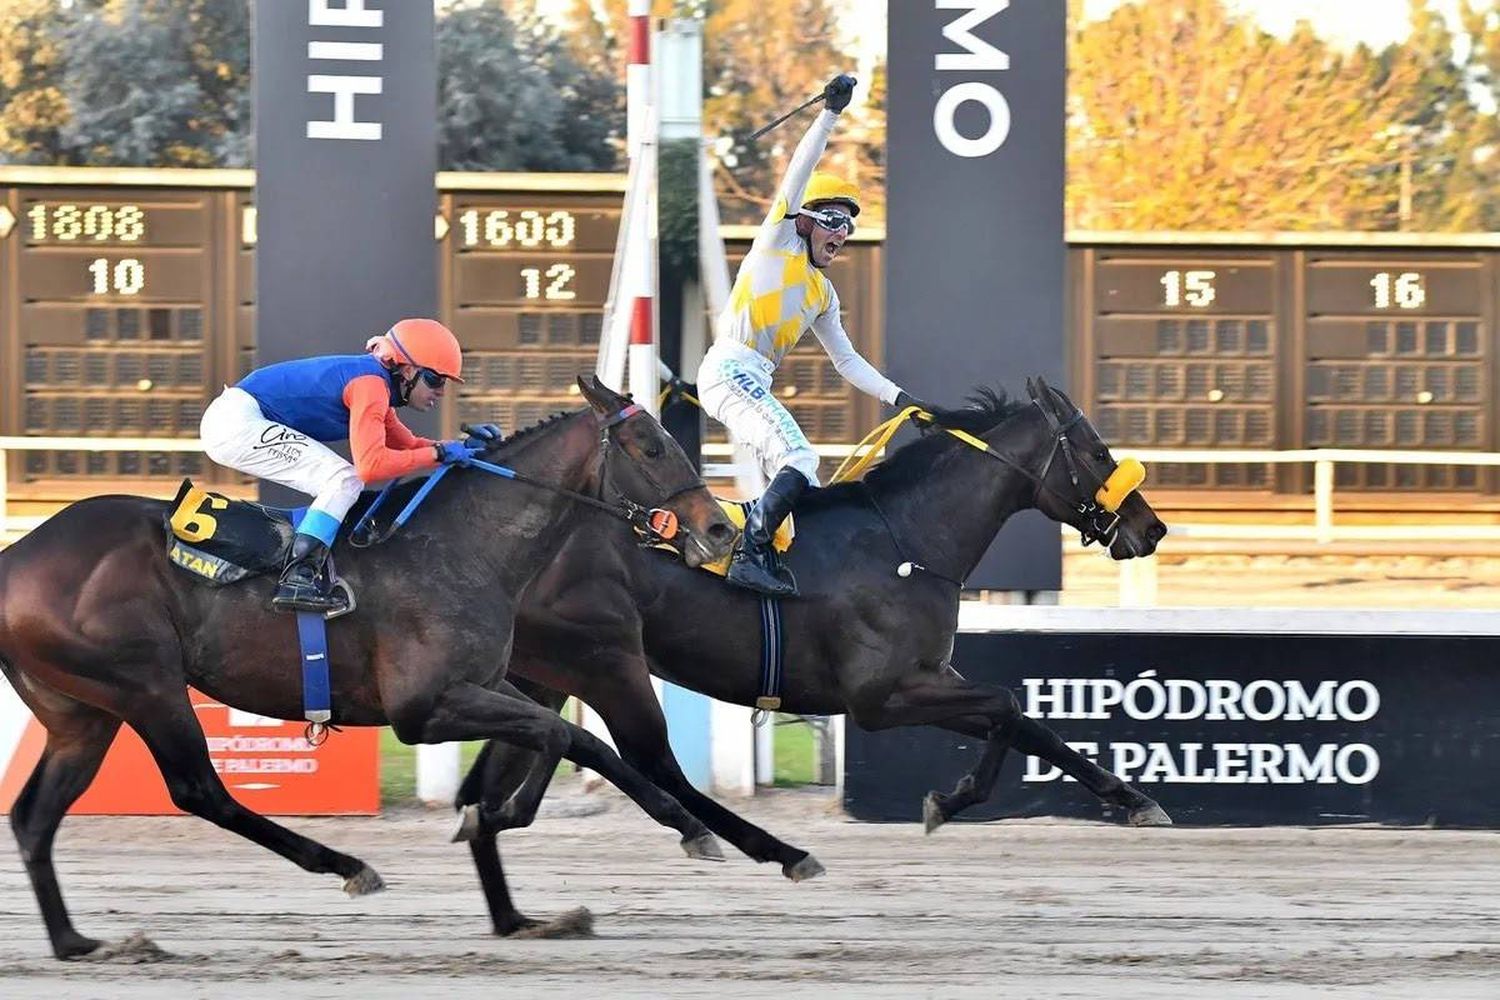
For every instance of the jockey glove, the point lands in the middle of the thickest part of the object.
(482, 435)
(836, 92)
(905, 399)
(450, 452)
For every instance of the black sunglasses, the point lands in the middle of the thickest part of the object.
(431, 379)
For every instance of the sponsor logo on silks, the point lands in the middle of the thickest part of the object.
(197, 561)
(748, 385)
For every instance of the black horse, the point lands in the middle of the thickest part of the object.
(862, 638)
(96, 628)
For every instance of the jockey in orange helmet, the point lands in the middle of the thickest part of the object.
(273, 424)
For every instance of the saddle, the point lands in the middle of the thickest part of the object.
(223, 541)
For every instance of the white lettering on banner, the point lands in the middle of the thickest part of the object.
(349, 14)
(1144, 698)
(260, 744)
(344, 88)
(265, 765)
(1225, 763)
(978, 56)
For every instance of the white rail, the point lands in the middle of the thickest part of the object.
(1323, 529)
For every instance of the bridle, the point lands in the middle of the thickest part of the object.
(656, 524)
(1099, 509)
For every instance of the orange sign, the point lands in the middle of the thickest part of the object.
(266, 764)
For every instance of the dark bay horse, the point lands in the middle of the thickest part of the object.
(97, 627)
(861, 639)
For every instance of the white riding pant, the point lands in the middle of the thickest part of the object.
(237, 434)
(734, 385)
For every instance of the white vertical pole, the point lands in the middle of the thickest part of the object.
(617, 336)
(1323, 500)
(640, 273)
(437, 773)
(637, 75)
(1138, 583)
(765, 752)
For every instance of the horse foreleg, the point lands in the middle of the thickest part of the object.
(171, 732)
(1033, 738)
(78, 737)
(622, 695)
(468, 711)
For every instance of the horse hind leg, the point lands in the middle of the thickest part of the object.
(1033, 738)
(78, 736)
(975, 787)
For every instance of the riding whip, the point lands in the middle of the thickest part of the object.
(801, 107)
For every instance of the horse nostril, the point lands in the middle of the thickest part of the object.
(1156, 532)
(721, 532)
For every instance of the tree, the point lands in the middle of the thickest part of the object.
(513, 94)
(760, 58)
(1444, 154)
(1183, 116)
(157, 83)
(32, 105)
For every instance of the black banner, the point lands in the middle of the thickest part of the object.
(345, 183)
(974, 246)
(1222, 729)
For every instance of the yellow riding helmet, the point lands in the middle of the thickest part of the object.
(823, 187)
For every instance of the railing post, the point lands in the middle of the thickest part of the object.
(1323, 500)
(1138, 583)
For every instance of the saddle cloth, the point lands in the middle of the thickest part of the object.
(223, 540)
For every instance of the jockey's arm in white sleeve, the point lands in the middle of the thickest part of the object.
(846, 360)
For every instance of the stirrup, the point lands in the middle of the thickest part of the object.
(308, 598)
(749, 573)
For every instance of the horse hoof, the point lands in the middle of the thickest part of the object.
(808, 867)
(704, 847)
(932, 812)
(468, 824)
(577, 923)
(364, 882)
(71, 944)
(1149, 815)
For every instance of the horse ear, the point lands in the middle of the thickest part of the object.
(1031, 388)
(600, 396)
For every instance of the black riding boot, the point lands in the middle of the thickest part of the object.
(304, 583)
(755, 565)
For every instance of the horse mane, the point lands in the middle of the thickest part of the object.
(986, 409)
(403, 492)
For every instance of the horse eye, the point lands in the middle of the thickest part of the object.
(653, 450)
(1102, 455)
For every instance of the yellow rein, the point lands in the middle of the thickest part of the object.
(1127, 477)
(855, 465)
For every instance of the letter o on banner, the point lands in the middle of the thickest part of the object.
(947, 107)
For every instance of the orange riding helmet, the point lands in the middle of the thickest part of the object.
(425, 343)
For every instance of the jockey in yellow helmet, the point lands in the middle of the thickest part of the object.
(779, 294)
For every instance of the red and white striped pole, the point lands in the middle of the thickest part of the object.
(637, 75)
(640, 269)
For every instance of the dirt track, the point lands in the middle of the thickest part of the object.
(1016, 909)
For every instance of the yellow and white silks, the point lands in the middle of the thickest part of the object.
(778, 296)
